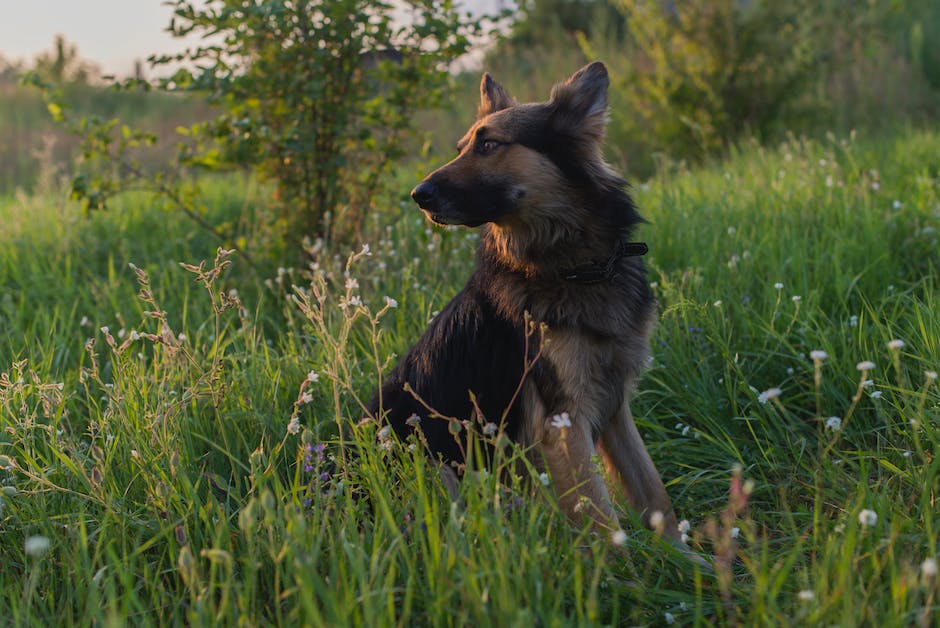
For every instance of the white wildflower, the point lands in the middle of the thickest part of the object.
(865, 365)
(796, 298)
(36, 546)
(561, 420)
(896, 345)
(877, 394)
(868, 517)
(619, 537)
(294, 426)
(834, 423)
(806, 595)
(543, 478)
(489, 429)
(684, 526)
(931, 375)
(778, 286)
(384, 433)
(818, 355)
(897, 204)
(306, 398)
(670, 619)
(352, 283)
(353, 301)
(735, 532)
(135, 335)
(929, 568)
(313, 376)
(853, 321)
(767, 395)
(656, 520)
(390, 302)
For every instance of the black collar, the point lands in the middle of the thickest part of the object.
(595, 272)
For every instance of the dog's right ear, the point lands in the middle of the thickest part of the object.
(492, 97)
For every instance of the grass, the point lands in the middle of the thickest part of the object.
(189, 465)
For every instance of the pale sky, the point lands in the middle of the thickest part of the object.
(110, 33)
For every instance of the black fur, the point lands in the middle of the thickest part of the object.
(469, 348)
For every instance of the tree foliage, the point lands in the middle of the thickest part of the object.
(315, 96)
(706, 71)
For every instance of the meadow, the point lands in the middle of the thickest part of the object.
(177, 424)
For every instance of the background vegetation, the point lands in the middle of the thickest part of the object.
(175, 417)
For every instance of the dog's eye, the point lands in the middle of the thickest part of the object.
(488, 146)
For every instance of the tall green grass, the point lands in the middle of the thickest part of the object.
(190, 463)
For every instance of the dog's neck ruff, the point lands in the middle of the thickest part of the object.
(596, 272)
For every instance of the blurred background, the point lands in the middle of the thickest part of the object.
(691, 80)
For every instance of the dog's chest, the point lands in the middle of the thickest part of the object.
(591, 374)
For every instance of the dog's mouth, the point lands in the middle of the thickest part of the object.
(435, 217)
(440, 218)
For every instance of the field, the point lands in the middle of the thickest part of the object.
(174, 444)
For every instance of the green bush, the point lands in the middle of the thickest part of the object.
(706, 72)
(318, 96)
(315, 97)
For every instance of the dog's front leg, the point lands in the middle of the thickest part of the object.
(630, 464)
(568, 453)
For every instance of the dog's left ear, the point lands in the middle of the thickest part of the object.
(493, 97)
(581, 101)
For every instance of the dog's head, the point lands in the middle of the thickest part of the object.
(519, 162)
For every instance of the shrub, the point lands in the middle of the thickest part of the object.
(316, 97)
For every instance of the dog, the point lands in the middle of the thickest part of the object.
(555, 254)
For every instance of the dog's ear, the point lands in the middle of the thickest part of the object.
(581, 101)
(492, 97)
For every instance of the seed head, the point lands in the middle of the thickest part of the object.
(36, 546)
(929, 568)
(868, 517)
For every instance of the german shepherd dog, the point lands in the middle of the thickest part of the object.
(554, 251)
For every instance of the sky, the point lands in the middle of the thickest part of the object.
(110, 33)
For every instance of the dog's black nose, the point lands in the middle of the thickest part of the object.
(423, 194)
